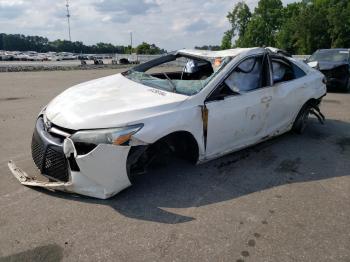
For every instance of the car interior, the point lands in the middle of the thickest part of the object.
(283, 70)
(189, 69)
(249, 75)
(177, 73)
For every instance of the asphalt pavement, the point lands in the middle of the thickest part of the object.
(287, 199)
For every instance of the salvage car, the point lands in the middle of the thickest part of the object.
(335, 65)
(95, 138)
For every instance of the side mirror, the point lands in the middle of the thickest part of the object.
(221, 93)
(216, 97)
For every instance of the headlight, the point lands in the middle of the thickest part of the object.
(115, 136)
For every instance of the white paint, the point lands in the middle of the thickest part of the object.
(69, 148)
(111, 101)
(115, 101)
(313, 63)
(237, 121)
(102, 173)
(214, 54)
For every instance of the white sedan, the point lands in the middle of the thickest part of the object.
(96, 137)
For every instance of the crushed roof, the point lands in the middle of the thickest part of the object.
(214, 54)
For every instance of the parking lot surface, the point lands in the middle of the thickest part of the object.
(287, 199)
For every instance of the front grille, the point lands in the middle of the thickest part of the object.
(38, 152)
(49, 159)
(56, 165)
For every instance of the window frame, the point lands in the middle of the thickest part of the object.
(290, 63)
(145, 67)
(212, 98)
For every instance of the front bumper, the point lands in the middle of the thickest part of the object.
(334, 79)
(102, 173)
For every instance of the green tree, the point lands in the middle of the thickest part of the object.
(208, 47)
(264, 24)
(271, 13)
(299, 28)
(239, 18)
(257, 34)
(311, 27)
(226, 42)
(41, 44)
(1, 41)
(286, 36)
(148, 49)
(339, 23)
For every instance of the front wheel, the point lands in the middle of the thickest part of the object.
(302, 119)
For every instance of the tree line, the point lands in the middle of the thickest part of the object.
(18, 42)
(208, 47)
(299, 28)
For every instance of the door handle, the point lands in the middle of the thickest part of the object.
(266, 99)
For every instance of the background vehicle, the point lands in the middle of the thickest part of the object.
(335, 65)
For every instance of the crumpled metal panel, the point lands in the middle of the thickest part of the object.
(102, 173)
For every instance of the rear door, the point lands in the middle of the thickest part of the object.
(238, 109)
(288, 94)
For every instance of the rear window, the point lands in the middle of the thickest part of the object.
(284, 70)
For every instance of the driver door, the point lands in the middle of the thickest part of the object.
(238, 109)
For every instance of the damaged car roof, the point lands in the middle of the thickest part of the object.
(223, 53)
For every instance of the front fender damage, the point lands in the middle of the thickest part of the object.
(103, 173)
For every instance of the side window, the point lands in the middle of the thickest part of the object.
(283, 71)
(247, 76)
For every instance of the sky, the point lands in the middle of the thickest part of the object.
(170, 24)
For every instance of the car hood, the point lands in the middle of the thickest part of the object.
(112, 101)
(326, 65)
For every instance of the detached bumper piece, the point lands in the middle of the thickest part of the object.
(315, 110)
(27, 180)
(101, 173)
(47, 153)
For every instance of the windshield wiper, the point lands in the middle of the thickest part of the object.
(171, 82)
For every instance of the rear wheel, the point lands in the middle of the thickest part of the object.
(302, 119)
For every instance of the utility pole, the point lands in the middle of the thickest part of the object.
(68, 19)
(131, 42)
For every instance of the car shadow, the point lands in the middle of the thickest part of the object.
(287, 159)
(50, 252)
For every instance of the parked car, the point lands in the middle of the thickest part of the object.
(97, 137)
(6, 56)
(83, 57)
(67, 56)
(20, 56)
(335, 65)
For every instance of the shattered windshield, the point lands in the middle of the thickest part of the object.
(178, 74)
(330, 56)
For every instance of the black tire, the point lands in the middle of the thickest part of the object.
(300, 122)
